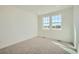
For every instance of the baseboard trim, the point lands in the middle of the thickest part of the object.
(71, 51)
(56, 39)
(13, 43)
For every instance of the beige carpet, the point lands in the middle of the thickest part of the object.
(34, 46)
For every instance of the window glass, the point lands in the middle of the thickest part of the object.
(56, 21)
(46, 22)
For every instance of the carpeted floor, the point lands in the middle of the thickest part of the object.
(34, 46)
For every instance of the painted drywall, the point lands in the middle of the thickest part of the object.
(16, 25)
(76, 26)
(66, 33)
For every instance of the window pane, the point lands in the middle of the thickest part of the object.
(53, 18)
(46, 21)
(56, 18)
(45, 24)
(56, 21)
(59, 18)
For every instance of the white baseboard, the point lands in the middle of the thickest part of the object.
(9, 44)
(71, 51)
(55, 39)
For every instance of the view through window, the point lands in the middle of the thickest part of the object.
(53, 22)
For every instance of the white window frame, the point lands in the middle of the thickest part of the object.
(60, 22)
(44, 23)
(50, 22)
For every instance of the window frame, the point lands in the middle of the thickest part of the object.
(56, 22)
(44, 23)
(50, 22)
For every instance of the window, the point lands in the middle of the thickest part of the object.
(52, 22)
(56, 22)
(46, 22)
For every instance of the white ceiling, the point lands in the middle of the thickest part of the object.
(42, 9)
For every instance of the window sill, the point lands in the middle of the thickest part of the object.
(46, 28)
(56, 29)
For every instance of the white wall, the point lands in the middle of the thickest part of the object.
(66, 34)
(16, 25)
(76, 23)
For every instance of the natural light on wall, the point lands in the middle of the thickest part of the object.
(52, 22)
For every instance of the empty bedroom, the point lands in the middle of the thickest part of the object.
(39, 29)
